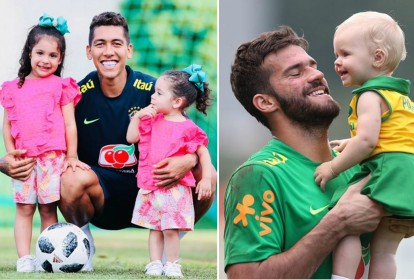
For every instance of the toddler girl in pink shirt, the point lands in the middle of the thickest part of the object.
(39, 118)
(163, 130)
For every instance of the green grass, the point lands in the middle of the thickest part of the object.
(122, 255)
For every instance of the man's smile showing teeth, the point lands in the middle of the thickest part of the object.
(318, 92)
(109, 63)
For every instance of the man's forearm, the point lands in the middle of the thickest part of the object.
(4, 166)
(300, 261)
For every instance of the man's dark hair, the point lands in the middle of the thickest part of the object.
(108, 19)
(249, 77)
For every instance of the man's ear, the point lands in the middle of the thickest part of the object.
(379, 58)
(88, 52)
(129, 54)
(265, 103)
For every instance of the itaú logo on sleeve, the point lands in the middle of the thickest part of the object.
(117, 156)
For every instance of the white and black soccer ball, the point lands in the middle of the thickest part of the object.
(62, 247)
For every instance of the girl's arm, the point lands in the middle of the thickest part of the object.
(204, 186)
(360, 146)
(8, 139)
(68, 112)
(133, 135)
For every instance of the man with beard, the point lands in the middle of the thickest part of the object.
(277, 221)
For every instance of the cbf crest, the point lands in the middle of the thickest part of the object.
(133, 110)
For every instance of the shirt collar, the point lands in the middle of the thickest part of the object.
(385, 82)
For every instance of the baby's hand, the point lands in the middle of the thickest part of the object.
(323, 174)
(149, 111)
(340, 144)
(204, 189)
(73, 162)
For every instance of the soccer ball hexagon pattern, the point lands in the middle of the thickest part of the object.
(62, 247)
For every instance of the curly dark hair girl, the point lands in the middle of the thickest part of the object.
(182, 87)
(36, 33)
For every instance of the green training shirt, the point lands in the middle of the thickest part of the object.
(271, 202)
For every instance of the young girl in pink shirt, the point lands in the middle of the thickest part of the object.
(39, 118)
(163, 130)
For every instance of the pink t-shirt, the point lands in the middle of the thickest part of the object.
(35, 112)
(160, 139)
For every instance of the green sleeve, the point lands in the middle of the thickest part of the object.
(254, 215)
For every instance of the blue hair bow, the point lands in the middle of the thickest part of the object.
(60, 23)
(198, 77)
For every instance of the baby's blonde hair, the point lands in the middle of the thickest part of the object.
(384, 32)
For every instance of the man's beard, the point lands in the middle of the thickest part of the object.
(302, 112)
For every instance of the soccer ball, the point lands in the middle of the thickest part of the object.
(62, 247)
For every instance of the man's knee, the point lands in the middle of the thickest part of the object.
(76, 183)
(81, 196)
